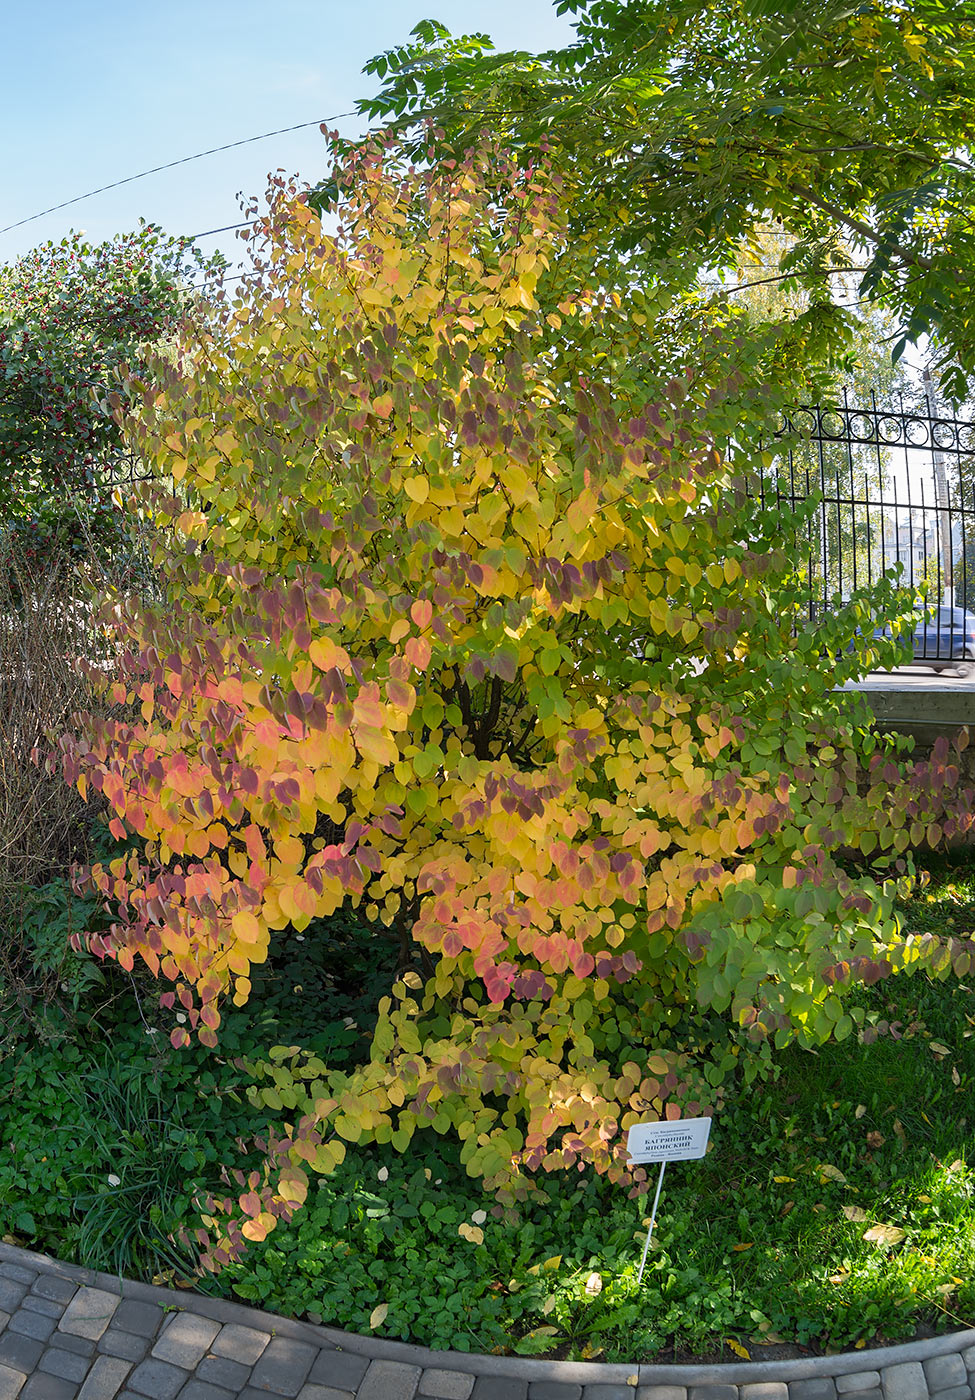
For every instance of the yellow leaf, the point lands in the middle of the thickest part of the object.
(738, 1349)
(378, 1316)
(417, 488)
(324, 654)
(740, 1248)
(246, 926)
(376, 746)
(855, 1214)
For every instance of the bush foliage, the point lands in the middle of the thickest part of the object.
(468, 620)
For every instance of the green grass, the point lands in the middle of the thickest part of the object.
(104, 1140)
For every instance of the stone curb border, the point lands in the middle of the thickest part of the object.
(512, 1367)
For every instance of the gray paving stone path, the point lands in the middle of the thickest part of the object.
(70, 1334)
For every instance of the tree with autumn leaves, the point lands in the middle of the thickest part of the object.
(467, 619)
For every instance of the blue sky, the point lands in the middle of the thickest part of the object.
(93, 93)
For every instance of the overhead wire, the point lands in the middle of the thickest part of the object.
(171, 165)
(207, 233)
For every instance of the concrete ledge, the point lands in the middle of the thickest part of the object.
(936, 706)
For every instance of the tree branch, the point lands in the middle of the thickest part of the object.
(858, 226)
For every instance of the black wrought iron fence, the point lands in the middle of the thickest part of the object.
(894, 484)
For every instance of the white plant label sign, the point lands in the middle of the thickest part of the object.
(678, 1140)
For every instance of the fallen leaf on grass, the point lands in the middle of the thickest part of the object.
(875, 1139)
(594, 1285)
(831, 1173)
(861, 1109)
(787, 1208)
(938, 1049)
(378, 1316)
(887, 1235)
(738, 1349)
(855, 1214)
(781, 1180)
(899, 1131)
(474, 1233)
(738, 1248)
(537, 1342)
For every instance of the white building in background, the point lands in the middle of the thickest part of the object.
(916, 545)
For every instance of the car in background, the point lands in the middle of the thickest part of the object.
(946, 640)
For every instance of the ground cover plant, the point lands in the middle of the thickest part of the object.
(467, 621)
(840, 1200)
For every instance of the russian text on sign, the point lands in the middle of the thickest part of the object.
(681, 1140)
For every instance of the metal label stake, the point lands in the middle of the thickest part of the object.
(679, 1140)
(653, 1221)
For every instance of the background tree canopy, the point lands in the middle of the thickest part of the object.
(74, 318)
(687, 127)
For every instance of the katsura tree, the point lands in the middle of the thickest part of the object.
(467, 619)
(74, 318)
(686, 125)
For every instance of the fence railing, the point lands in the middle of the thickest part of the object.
(894, 484)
